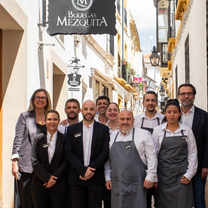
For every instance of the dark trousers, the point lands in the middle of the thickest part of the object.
(23, 198)
(42, 198)
(106, 197)
(150, 193)
(86, 194)
(199, 191)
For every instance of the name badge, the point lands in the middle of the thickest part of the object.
(77, 135)
(184, 137)
(127, 146)
(45, 145)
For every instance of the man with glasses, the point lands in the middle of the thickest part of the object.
(197, 119)
(131, 168)
(72, 110)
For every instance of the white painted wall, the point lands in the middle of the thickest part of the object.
(196, 29)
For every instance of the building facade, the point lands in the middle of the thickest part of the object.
(186, 46)
(31, 59)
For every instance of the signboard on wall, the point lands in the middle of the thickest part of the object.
(81, 17)
(74, 79)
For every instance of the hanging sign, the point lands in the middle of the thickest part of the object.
(81, 17)
(74, 79)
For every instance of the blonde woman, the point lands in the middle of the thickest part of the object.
(28, 125)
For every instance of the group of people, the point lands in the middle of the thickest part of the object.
(114, 157)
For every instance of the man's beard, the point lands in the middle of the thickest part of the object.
(188, 104)
(73, 117)
(86, 119)
(151, 110)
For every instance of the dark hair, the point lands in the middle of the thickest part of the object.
(112, 103)
(174, 102)
(73, 100)
(150, 92)
(187, 85)
(52, 111)
(103, 97)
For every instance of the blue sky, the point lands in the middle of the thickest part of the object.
(144, 14)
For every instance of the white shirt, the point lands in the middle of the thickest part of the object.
(189, 117)
(158, 135)
(111, 130)
(145, 148)
(87, 142)
(97, 119)
(149, 123)
(52, 145)
(63, 128)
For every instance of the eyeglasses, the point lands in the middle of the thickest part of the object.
(40, 98)
(183, 94)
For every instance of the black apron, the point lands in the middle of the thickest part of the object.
(149, 129)
(128, 173)
(172, 165)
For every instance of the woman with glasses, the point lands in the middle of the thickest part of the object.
(28, 125)
(49, 182)
(177, 160)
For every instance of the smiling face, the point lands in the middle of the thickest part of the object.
(186, 96)
(40, 100)
(88, 110)
(172, 114)
(150, 102)
(52, 121)
(72, 110)
(125, 121)
(102, 106)
(112, 112)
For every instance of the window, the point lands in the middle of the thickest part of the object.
(112, 44)
(125, 17)
(104, 90)
(162, 21)
(187, 70)
(83, 94)
(97, 84)
(119, 6)
(176, 81)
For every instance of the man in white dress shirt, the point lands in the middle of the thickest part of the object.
(72, 110)
(132, 164)
(87, 150)
(151, 117)
(101, 104)
(148, 121)
(196, 119)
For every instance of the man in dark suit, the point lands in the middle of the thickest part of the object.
(197, 119)
(87, 149)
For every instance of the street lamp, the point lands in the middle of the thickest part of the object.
(154, 58)
(162, 92)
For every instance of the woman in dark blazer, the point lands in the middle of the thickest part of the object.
(49, 181)
(28, 125)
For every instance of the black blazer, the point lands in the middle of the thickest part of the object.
(99, 152)
(200, 130)
(43, 169)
